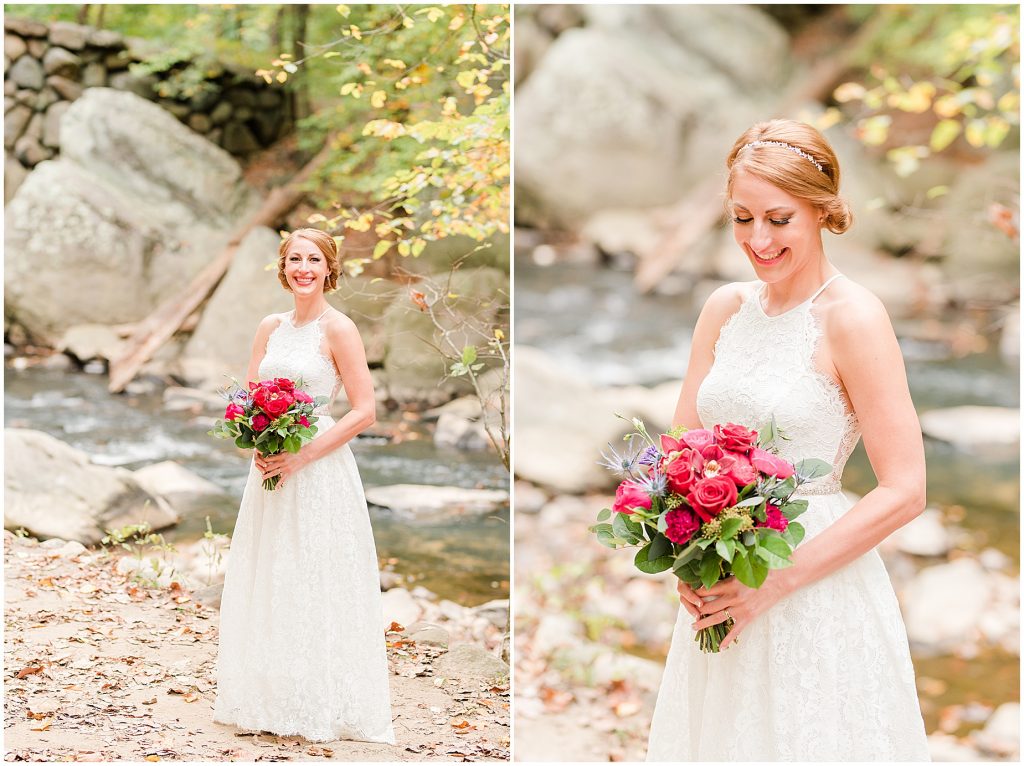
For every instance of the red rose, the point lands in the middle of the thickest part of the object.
(735, 438)
(737, 468)
(273, 400)
(766, 462)
(683, 471)
(284, 383)
(775, 519)
(260, 422)
(302, 396)
(681, 524)
(233, 411)
(698, 438)
(709, 497)
(303, 421)
(630, 495)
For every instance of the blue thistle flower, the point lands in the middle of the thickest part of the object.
(654, 483)
(620, 463)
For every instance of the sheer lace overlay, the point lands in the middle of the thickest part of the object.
(825, 675)
(301, 630)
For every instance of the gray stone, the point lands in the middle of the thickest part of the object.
(26, 72)
(528, 498)
(51, 126)
(268, 99)
(427, 500)
(116, 62)
(14, 47)
(931, 623)
(177, 398)
(268, 125)
(926, 535)
(29, 151)
(461, 433)
(68, 35)
(25, 96)
(205, 99)
(37, 48)
(15, 122)
(220, 113)
(238, 139)
(61, 62)
(248, 293)
(68, 89)
(945, 748)
(495, 612)
(60, 362)
(46, 97)
(210, 595)
(389, 580)
(91, 341)
(94, 75)
(428, 634)
(973, 427)
(468, 662)
(174, 482)
(25, 27)
(10, 87)
(177, 108)
(200, 123)
(241, 97)
(140, 85)
(14, 175)
(1001, 735)
(95, 367)
(105, 38)
(399, 606)
(215, 136)
(35, 127)
(78, 500)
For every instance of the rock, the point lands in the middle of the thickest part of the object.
(29, 151)
(51, 124)
(67, 550)
(389, 580)
(994, 560)
(238, 139)
(461, 433)
(268, 124)
(399, 606)
(144, 203)
(105, 38)
(181, 398)
(556, 630)
(926, 535)
(115, 62)
(78, 500)
(1009, 337)
(200, 123)
(59, 362)
(94, 75)
(529, 499)
(26, 72)
(14, 47)
(427, 500)
(467, 662)
(68, 89)
(222, 341)
(1001, 735)
(59, 61)
(428, 634)
(46, 97)
(220, 113)
(94, 367)
(35, 128)
(926, 600)
(10, 87)
(177, 108)
(945, 748)
(210, 595)
(68, 35)
(172, 481)
(141, 86)
(15, 122)
(973, 427)
(496, 612)
(91, 341)
(25, 27)
(467, 407)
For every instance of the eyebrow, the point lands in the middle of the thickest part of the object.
(769, 210)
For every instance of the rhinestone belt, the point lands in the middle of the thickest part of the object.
(820, 488)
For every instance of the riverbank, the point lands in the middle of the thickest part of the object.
(102, 665)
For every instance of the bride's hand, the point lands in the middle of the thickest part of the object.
(688, 598)
(731, 598)
(283, 464)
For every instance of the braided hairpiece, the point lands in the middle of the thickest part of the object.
(794, 149)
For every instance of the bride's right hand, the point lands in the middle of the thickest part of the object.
(260, 460)
(689, 599)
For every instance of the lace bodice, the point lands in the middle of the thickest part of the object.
(295, 352)
(764, 366)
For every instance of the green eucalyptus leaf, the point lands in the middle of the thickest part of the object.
(729, 528)
(725, 550)
(622, 530)
(604, 514)
(710, 569)
(813, 468)
(793, 509)
(750, 501)
(794, 534)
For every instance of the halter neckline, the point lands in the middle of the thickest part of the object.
(819, 291)
(291, 319)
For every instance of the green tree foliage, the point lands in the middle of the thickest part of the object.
(960, 63)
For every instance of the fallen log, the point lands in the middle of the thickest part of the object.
(156, 329)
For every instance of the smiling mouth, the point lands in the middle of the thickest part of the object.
(772, 258)
(304, 281)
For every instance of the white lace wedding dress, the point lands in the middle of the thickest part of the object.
(301, 631)
(825, 675)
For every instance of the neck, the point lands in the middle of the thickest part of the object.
(308, 309)
(798, 287)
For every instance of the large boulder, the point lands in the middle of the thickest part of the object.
(52, 490)
(469, 662)
(144, 204)
(974, 427)
(425, 500)
(646, 104)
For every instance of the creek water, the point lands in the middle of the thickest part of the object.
(465, 558)
(596, 325)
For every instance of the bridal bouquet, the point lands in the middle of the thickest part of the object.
(272, 416)
(707, 504)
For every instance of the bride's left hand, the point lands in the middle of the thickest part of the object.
(283, 464)
(741, 603)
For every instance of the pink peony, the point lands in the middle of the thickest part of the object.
(302, 396)
(735, 438)
(766, 462)
(628, 496)
(698, 438)
(709, 497)
(682, 523)
(273, 399)
(233, 411)
(260, 422)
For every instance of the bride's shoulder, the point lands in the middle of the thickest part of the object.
(726, 300)
(270, 322)
(337, 324)
(852, 312)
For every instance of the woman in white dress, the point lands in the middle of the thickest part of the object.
(817, 665)
(302, 647)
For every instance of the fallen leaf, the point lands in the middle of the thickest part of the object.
(395, 628)
(149, 702)
(36, 716)
(627, 708)
(328, 752)
(29, 671)
(46, 582)
(153, 758)
(43, 726)
(191, 697)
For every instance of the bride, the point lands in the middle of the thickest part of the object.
(817, 666)
(301, 632)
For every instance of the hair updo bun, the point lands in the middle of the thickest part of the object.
(795, 157)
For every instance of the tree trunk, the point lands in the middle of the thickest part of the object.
(83, 13)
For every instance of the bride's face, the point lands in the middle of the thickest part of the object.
(780, 233)
(305, 267)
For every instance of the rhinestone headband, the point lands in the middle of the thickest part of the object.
(794, 149)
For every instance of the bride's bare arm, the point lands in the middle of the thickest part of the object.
(259, 346)
(720, 305)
